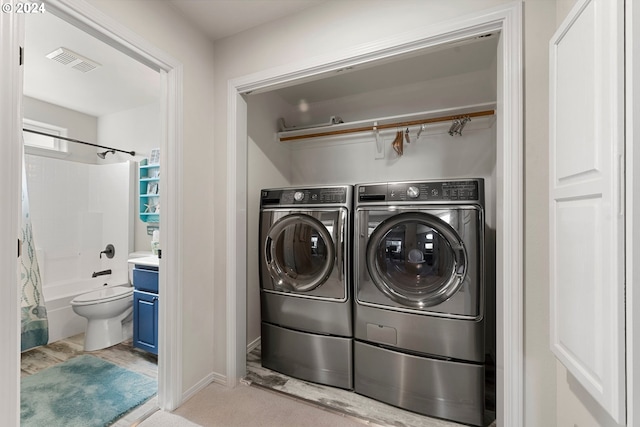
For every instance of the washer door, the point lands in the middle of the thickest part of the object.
(416, 259)
(299, 253)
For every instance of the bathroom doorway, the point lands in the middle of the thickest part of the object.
(81, 198)
(169, 143)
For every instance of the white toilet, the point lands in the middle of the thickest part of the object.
(105, 311)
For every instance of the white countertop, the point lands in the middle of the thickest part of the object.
(151, 261)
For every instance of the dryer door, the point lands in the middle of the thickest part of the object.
(416, 259)
(300, 255)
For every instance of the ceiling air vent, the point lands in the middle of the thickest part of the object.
(72, 59)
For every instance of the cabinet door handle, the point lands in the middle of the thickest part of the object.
(154, 299)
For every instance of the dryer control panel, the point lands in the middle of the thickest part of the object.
(471, 191)
(306, 196)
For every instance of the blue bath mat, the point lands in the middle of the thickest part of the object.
(84, 391)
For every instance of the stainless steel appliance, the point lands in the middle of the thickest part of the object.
(305, 283)
(419, 297)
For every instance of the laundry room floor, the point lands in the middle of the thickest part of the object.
(369, 411)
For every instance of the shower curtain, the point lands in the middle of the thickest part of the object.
(35, 327)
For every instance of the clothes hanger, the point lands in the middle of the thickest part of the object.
(397, 143)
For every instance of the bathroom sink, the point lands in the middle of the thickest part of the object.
(150, 261)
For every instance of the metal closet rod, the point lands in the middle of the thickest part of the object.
(133, 153)
(388, 125)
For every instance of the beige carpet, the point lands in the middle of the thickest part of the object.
(246, 406)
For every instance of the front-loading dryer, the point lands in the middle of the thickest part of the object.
(305, 283)
(419, 296)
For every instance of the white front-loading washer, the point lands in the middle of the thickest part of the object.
(305, 283)
(419, 296)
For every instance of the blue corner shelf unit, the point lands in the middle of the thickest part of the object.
(145, 308)
(149, 191)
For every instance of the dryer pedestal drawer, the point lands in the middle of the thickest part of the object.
(433, 387)
(321, 359)
(306, 314)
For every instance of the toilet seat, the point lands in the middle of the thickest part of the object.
(103, 295)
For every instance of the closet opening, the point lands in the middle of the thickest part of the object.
(307, 98)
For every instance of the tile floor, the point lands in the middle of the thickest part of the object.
(369, 411)
(123, 354)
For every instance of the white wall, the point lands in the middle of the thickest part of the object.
(540, 389)
(163, 27)
(80, 126)
(136, 130)
(435, 155)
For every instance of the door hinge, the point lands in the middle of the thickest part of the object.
(19, 248)
(21, 55)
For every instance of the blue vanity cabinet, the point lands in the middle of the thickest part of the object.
(145, 308)
(145, 321)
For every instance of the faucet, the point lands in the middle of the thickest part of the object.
(109, 251)
(101, 273)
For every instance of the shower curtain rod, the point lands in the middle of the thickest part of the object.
(387, 125)
(133, 153)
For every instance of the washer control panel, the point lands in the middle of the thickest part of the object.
(306, 196)
(470, 190)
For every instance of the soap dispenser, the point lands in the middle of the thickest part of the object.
(155, 242)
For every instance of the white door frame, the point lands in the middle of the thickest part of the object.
(632, 208)
(509, 239)
(11, 36)
(96, 23)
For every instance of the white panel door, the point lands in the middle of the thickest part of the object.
(586, 200)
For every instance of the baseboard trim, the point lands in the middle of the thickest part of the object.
(212, 377)
(219, 379)
(253, 344)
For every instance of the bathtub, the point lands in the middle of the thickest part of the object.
(63, 321)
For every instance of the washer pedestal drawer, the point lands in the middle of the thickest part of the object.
(321, 359)
(434, 387)
(307, 314)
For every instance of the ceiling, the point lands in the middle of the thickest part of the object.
(223, 18)
(120, 83)
(433, 63)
